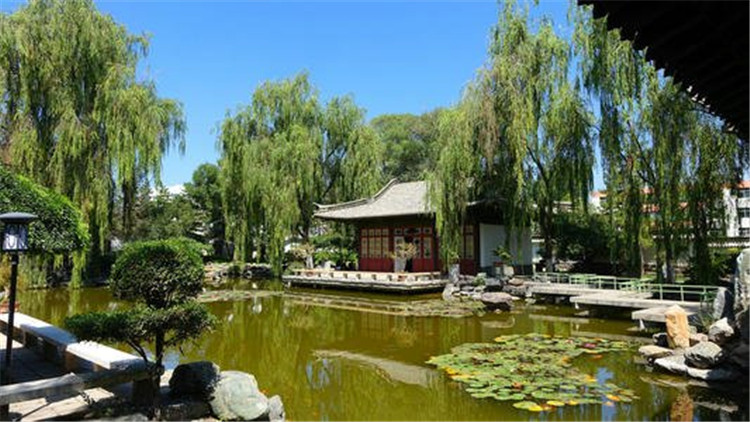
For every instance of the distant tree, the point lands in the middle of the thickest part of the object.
(74, 116)
(410, 143)
(162, 278)
(204, 193)
(162, 215)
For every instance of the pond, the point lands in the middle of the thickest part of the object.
(355, 356)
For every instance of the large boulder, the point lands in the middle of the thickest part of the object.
(276, 411)
(723, 306)
(704, 355)
(675, 364)
(678, 333)
(742, 324)
(740, 356)
(184, 409)
(497, 300)
(236, 397)
(651, 352)
(713, 375)
(660, 339)
(449, 290)
(194, 378)
(697, 338)
(720, 331)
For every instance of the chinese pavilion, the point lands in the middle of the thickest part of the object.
(400, 212)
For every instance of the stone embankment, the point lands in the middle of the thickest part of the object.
(721, 355)
(201, 390)
(218, 272)
(491, 292)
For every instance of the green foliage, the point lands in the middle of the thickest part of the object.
(587, 238)
(163, 278)
(142, 325)
(160, 273)
(410, 142)
(76, 118)
(59, 230)
(283, 153)
(659, 150)
(163, 215)
(502, 254)
(451, 183)
(204, 192)
(526, 136)
(522, 368)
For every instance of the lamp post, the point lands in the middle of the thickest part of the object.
(15, 241)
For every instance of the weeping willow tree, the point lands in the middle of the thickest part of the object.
(73, 115)
(613, 72)
(530, 130)
(664, 177)
(283, 153)
(451, 182)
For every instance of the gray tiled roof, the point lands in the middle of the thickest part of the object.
(395, 199)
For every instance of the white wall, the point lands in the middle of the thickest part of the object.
(492, 235)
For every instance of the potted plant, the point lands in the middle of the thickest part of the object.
(403, 253)
(503, 265)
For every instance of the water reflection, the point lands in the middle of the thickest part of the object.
(334, 356)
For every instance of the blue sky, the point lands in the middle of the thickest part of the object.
(393, 57)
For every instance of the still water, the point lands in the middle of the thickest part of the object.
(355, 356)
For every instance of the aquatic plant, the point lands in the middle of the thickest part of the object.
(534, 370)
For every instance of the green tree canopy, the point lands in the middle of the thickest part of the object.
(73, 115)
(283, 153)
(410, 143)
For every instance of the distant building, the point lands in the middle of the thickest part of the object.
(401, 212)
(736, 205)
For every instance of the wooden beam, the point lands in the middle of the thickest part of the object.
(69, 384)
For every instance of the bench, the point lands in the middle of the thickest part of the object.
(100, 365)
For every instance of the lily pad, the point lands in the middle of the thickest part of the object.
(533, 366)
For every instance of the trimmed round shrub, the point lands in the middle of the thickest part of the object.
(158, 273)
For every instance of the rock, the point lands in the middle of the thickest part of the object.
(678, 333)
(497, 300)
(720, 331)
(723, 304)
(194, 378)
(704, 355)
(236, 397)
(715, 374)
(674, 364)
(660, 339)
(740, 356)
(493, 285)
(697, 338)
(742, 324)
(516, 281)
(651, 352)
(449, 290)
(467, 288)
(184, 410)
(276, 409)
(742, 282)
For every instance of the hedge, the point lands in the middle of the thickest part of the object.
(60, 227)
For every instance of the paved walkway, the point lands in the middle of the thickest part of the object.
(27, 365)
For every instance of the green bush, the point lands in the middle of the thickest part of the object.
(158, 273)
(59, 231)
(60, 227)
(163, 278)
